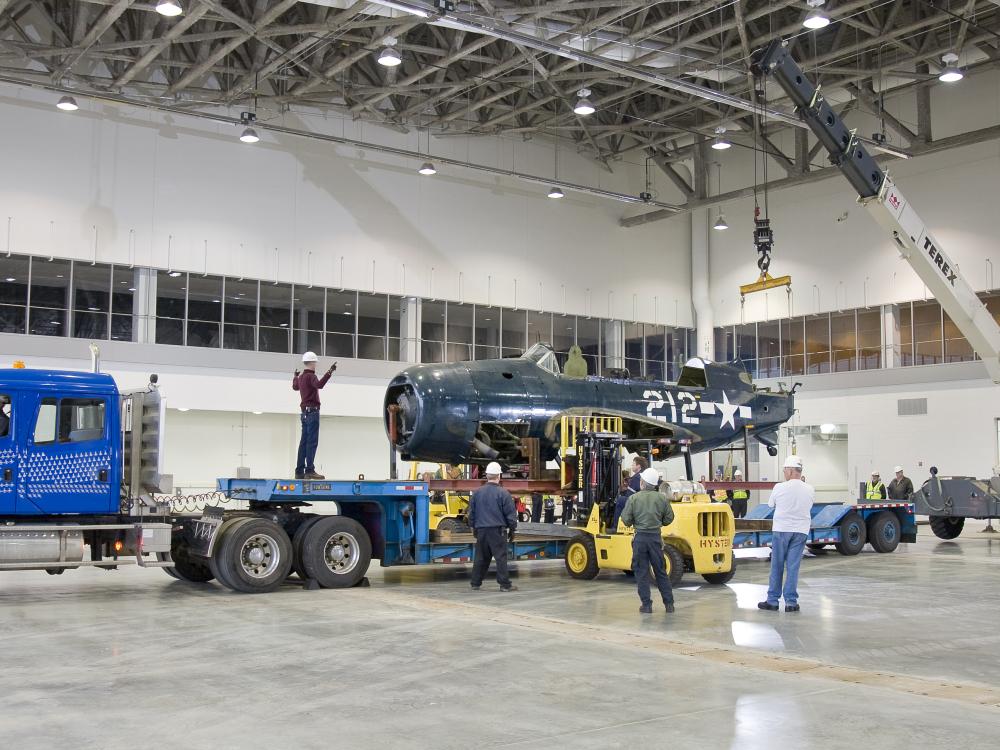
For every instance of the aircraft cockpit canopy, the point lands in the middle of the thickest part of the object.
(544, 357)
(694, 373)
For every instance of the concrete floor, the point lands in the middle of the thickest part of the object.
(890, 651)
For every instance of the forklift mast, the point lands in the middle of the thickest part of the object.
(599, 468)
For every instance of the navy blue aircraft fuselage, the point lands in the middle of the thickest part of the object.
(475, 412)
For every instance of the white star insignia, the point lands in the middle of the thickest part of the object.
(728, 411)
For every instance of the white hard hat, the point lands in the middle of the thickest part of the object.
(898, 468)
(875, 473)
(793, 462)
(309, 357)
(493, 469)
(737, 473)
(650, 476)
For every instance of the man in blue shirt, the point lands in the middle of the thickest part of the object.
(493, 519)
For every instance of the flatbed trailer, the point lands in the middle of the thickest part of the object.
(846, 526)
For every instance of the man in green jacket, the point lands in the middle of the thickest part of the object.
(648, 511)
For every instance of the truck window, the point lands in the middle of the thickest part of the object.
(81, 419)
(6, 414)
(45, 425)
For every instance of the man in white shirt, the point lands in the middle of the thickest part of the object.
(792, 501)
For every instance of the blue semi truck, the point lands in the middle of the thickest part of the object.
(81, 484)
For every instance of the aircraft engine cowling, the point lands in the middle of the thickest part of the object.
(431, 413)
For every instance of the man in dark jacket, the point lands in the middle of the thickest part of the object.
(901, 487)
(308, 386)
(648, 511)
(493, 519)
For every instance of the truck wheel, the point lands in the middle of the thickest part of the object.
(216, 563)
(674, 561)
(884, 531)
(720, 578)
(581, 557)
(185, 567)
(947, 527)
(256, 556)
(336, 552)
(852, 534)
(297, 539)
(817, 549)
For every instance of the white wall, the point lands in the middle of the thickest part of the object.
(129, 185)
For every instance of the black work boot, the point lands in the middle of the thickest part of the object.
(768, 606)
(646, 609)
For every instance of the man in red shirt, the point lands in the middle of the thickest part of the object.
(308, 386)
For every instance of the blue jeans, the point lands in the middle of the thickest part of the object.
(786, 553)
(308, 443)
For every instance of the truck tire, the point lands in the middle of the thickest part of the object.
(185, 567)
(215, 563)
(720, 578)
(852, 534)
(297, 539)
(817, 549)
(947, 527)
(255, 557)
(674, 561)
(884, 531)
(336, 552)
(581, 557)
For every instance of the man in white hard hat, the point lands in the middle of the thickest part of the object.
(875, 489)
(792, 501)
(901, 487)
(493, 519)
(648, 511)
(308, 386)
(738, 497)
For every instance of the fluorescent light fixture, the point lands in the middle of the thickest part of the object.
(173, 274)
(816, 18)
(583, 105)
(403, 8)
(249, 135)
(427, 169)
(169, 8)
(389, 57)
(720, 143)
(258, 412)
(950, 73)
(828, 429)
(68, 104)
(556, 193)
(182, 408)
(720, 223)
(10, 278)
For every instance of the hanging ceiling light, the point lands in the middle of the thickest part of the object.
(816, 19)
(720, 223)
(583, 105)
(950, 73)
(249, 135)
(169, 8)
(427, 169)
(555, 192)
(68, 104)
(389, 56)
(720, 143)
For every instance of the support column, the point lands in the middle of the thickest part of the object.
(144, 306)
(701, 299)
(409, 329)
(891, 348)
(613, 345)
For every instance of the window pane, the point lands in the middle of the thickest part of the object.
(927, 333)
(432, 351)
(869, 339)
(432, 319)
(906, 334)
(459, 332)
(512, 331)
(204, 298)
(725, 344)
(817, 344)
(12, 319)
(655, 350)
(123, 289)
(81, 420)
(844, 342)
(45, 424)
(274, 340)
(956, 347)
(238, 337)
(487, 333)
(588, 338)
(746, 345)
(241, 304)
(50, 283)
(395, 326)
(121, 328)
(539, 328)
(14, 280)
(90, 325)
(340, 310)
(792, 347)
(47, 322)
(373, 315)
(769, 348)
(676, 352)
(275, 305)
(171, 293)
(6, 414)
(91, 287)
(563, 333)
(340, 345)
(307, 319)
(200, 333)
(169, 331)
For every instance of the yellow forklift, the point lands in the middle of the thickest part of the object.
(699, 540)
(447, 508)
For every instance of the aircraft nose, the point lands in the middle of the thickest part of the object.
(402, 410)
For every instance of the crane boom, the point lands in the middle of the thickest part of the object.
(886, 204)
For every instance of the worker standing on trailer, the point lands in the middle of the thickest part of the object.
(493, 520)
(648, 511)
(901, 487)
(308, 386)
(792, 501)
(875, 490)
(739, 497)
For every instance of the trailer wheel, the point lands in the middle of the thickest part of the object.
(297, 539)
(720, 578)
(817, 549)
(185, 567)
(884, 531)
(581, 557)
(336, 552)
(674, 561)
(454, 525)
(852, 534)
(256, 556)
(947, 527)
(215, 563)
